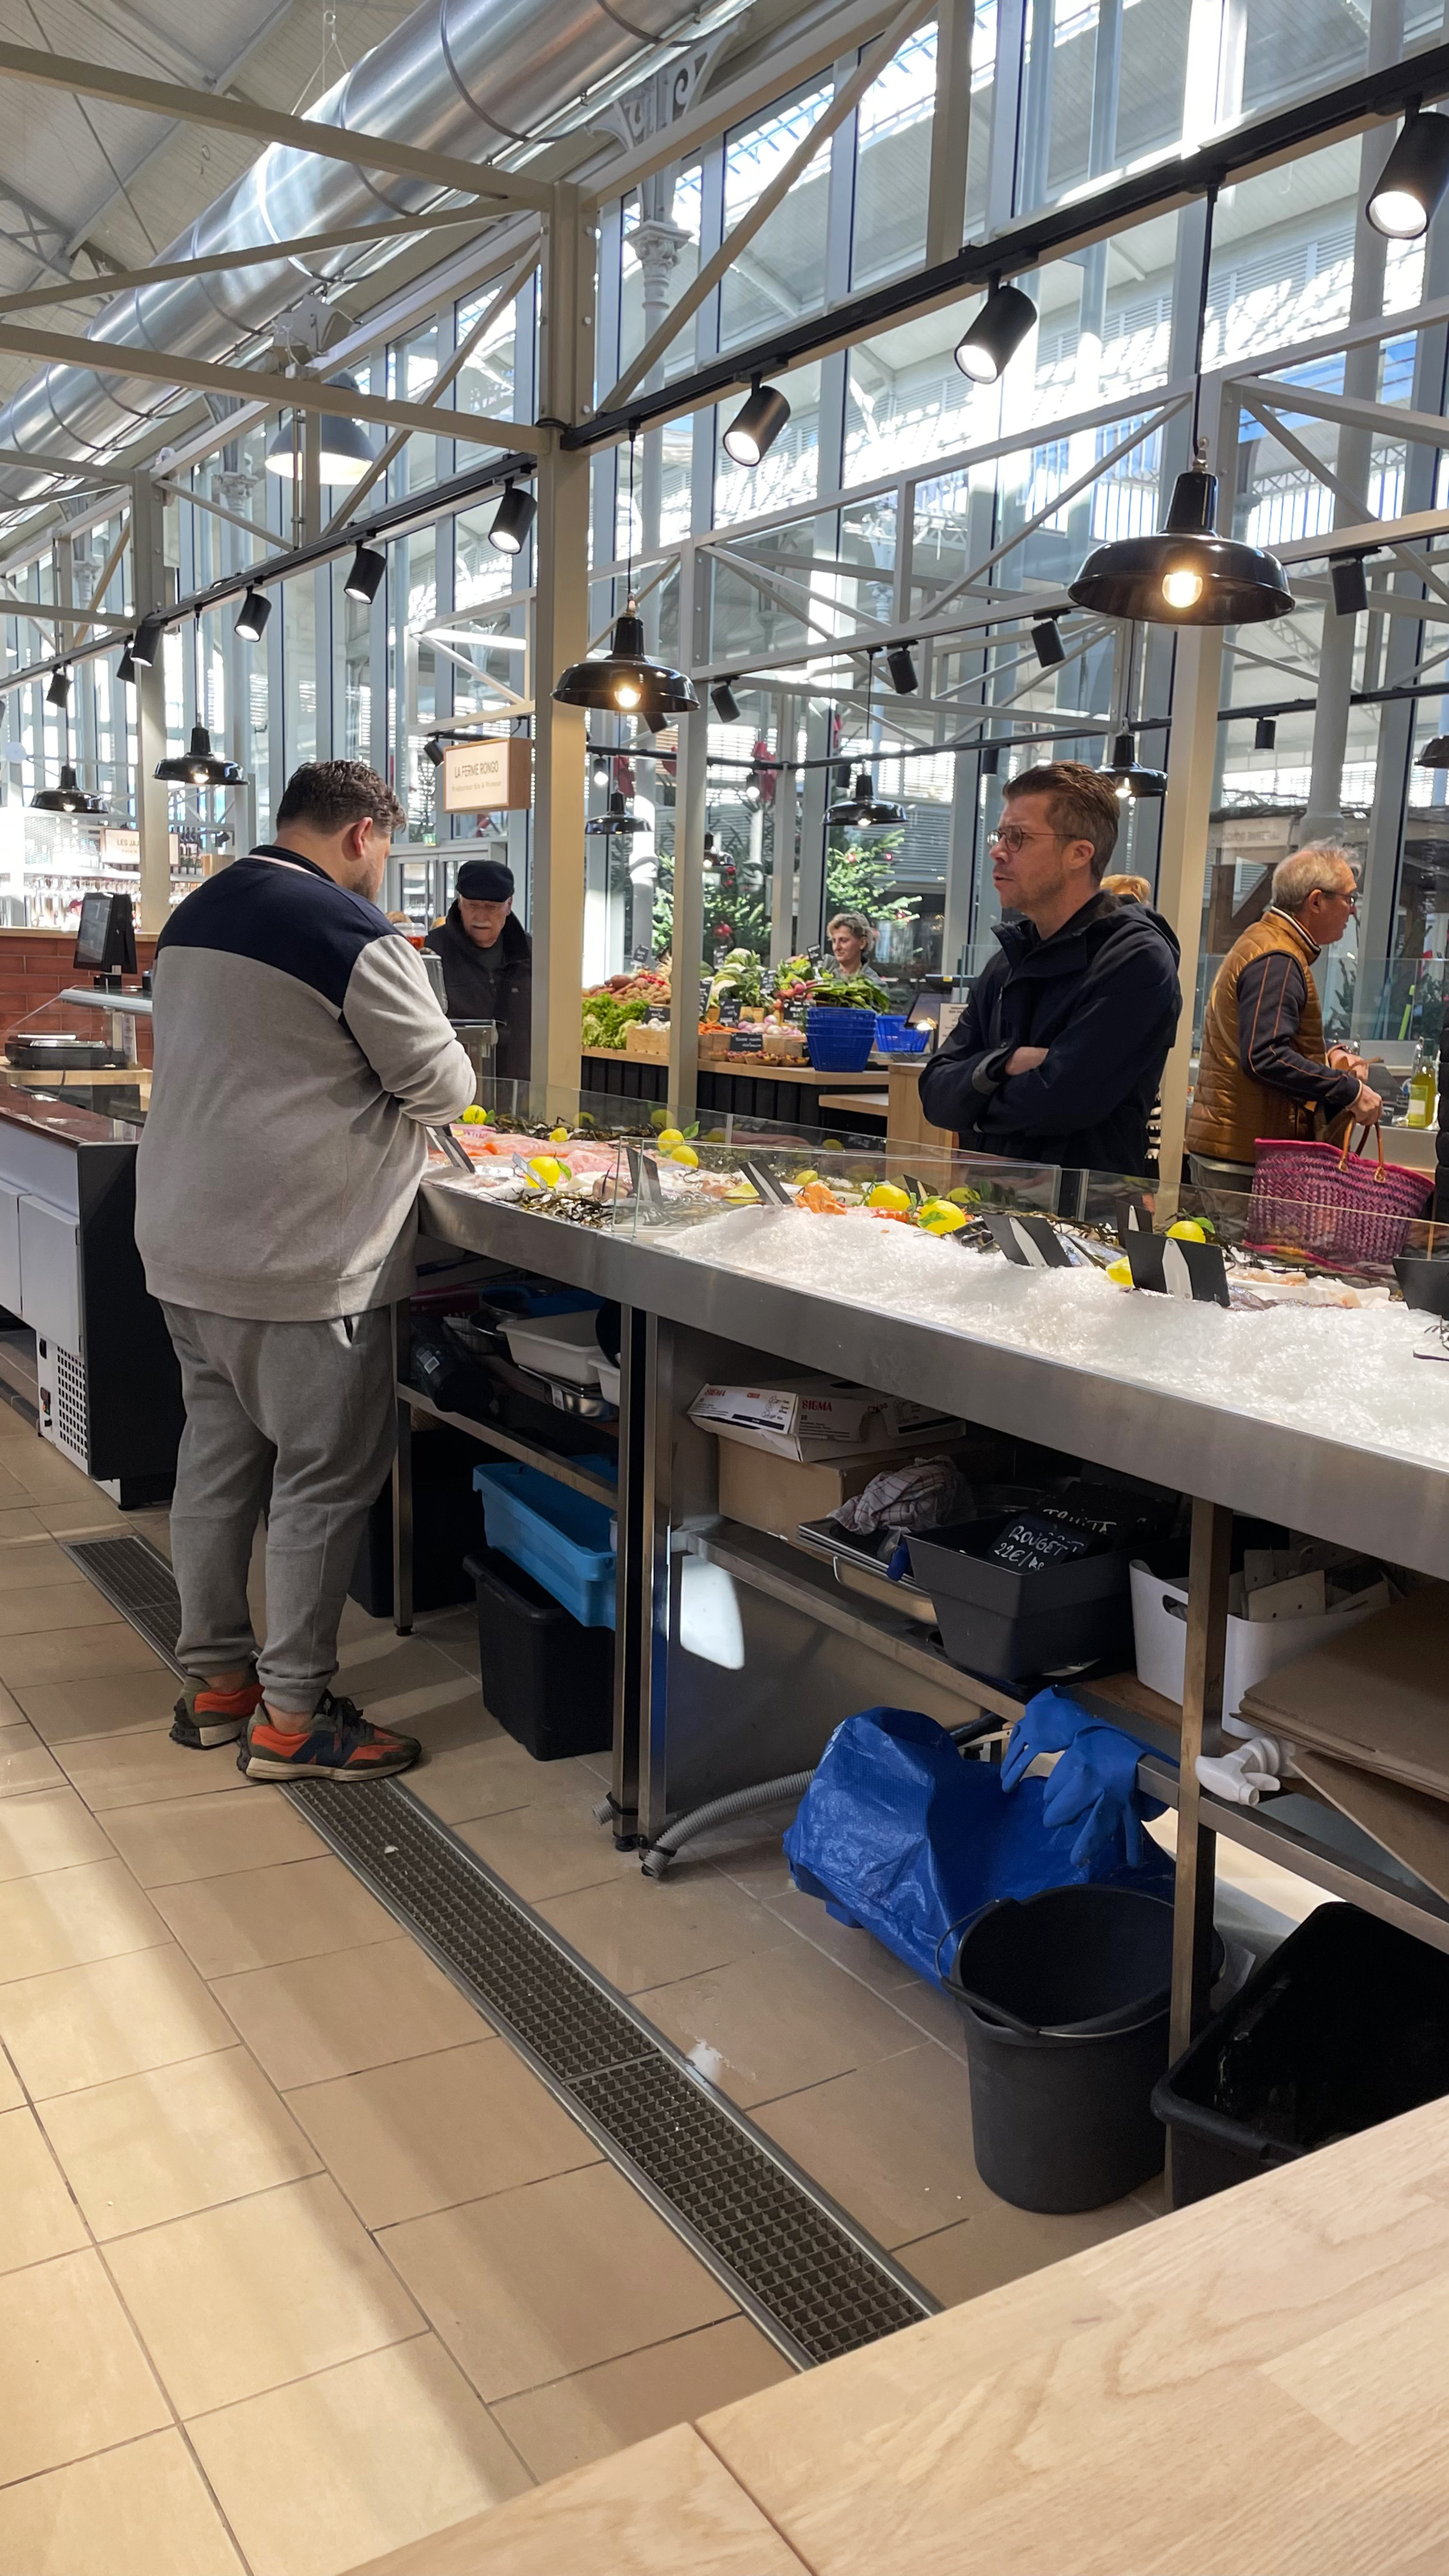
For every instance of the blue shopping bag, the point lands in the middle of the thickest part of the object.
(900, 1835)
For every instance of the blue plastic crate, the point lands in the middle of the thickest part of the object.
(895, 1036)
(559, 1537)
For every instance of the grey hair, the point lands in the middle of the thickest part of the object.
(857, 925)
(1313, 868)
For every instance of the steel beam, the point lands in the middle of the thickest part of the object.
(268, 125)
(75, 290)
(51, 612)
(1390, 420)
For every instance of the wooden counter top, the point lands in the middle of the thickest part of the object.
(1257, 2386)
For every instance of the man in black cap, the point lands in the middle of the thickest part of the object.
(488, 962)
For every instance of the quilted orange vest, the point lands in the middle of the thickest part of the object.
(1230, 1111)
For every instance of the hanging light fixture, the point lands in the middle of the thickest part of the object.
(252, 616)
(987, 348)
(365, 574)
(616, 821)
(58, 693)
(724, 702)
(1126, 773)
(624, 681)
(756, 425)
(512, 519)
(345, 448)
(1413, 179)
(601, 771)
(1265, 734)
(198, 765)
(862, 806)
(126, 667)
(1435, 754)
(68, 798)
(1350, 585)
(1046, 641)
(902, 668)
(145, 645)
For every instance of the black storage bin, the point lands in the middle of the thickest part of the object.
(1006, 1625)
(1345, 2025)
(546, 1678)
(447, 1527)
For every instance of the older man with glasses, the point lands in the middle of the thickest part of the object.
(1264, 1069)
(1059, 1052)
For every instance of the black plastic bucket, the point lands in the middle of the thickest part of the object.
(1065, 1998)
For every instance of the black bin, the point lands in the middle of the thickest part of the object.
(1345, 2025)
(546, 1678)
(447, 1524)
(1065, 1997)
(1006, 1624)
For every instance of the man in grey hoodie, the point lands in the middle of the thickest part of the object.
(299, 1058)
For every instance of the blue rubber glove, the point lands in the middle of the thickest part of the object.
(1047, 1724)
(1095, 1785)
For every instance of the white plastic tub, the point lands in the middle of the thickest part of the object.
(1256, 1647)
(563, 1346)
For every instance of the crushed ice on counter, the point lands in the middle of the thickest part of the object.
(1341, 1373)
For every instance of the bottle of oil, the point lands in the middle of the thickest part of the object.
(1422, 1088)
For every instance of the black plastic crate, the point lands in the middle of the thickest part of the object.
(1006, 1624)
(547, 1679)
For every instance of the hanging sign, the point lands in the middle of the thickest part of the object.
(493, 777)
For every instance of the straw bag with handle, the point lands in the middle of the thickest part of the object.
(1327, 1204)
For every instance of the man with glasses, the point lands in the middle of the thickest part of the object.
(1059, 1052)
(1264, 1069)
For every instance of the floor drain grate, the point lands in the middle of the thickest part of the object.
(137, 1581)
(812, 2280)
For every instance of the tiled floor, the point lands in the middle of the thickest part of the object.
(298, 2262)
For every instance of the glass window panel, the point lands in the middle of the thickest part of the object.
(780, 273)
(893, 163)
(983, 104)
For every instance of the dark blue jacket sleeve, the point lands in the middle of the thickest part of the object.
(1119, 1033)
(958, 1083)
(1272, 991)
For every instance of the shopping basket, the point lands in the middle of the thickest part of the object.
(1329, 1203)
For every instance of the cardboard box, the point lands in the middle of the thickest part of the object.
(649, 1039)
(776, 1494)
(815, 1419)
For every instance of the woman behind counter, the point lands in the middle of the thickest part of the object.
(852, 944)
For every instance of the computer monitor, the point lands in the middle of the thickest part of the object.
(106, 936)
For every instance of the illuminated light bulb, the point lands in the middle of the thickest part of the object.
(1182, 589)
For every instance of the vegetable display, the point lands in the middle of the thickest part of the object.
(609, 1008)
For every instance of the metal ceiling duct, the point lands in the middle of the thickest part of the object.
(470, 77)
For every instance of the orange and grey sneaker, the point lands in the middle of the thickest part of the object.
(336, 1744)
(204, 1717)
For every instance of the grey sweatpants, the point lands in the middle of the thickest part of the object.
(299, 1419)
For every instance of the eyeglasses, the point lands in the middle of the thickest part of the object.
(1011, 838)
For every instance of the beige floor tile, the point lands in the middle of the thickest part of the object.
(753, 1860)
(68, 1916)
(491, 1776)
(550, 1849)
(89, 1515)
(598, 2411)
(265, 2290)
(73, 2378)
(37, 1566)
(83, 2026)
(140, 2511)
(19, 1520)
(25, 1763)
(1003, 2244)
(776, 2021)
(367, 2457)
(892, 2142)
(533, 2285)
(76, 1655)
(12, 2092)
(49, 1829)
(38, 2217)
(443, 1716)
(181, 2138)
(433, 2131)
(856, 1951)
(640, 1933)
(118, 1703)
(316, 2018)
(260, 1918)
(141, 1766)
(204, 1837)
(53, 1608)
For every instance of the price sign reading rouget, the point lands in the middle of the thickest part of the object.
(492, 777)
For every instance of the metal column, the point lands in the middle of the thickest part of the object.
(561, 635)
(690, 787)
(153, 811)
(1202, 1708)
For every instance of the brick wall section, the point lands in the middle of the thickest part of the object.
(35, 965)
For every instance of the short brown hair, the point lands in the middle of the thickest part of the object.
(332, 795)
(1084, 805)
(1137, 888)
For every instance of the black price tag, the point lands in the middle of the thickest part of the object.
(1172, 1266)
(1031, 1242)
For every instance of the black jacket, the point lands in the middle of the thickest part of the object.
(1101, 995)
(1441, 1149)
(480, 991)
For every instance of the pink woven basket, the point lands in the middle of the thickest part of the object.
(1323, 1204)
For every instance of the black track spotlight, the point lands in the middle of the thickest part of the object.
(199, 766)
(1435, 754)
(902, 670)
(1413, 179)
(512, 519)
(1126, 773)
(252, 616)
(58, 693)
(724, 702)
(145, 644)
(756, 425)
(624, 681)
(364, 579)
(1265, 734)
(126, 667)
(990, 759)
(1350, 588)
(433, 752)
(601, 771)
(1188, 575)
(67, 798)
(1046, 639)
(988, 346)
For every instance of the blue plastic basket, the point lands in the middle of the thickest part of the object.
(895, 1036)
(559, 1537)
(840, 1041)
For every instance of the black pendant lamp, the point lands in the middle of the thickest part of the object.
(624, 681)
(862, 806)
(68, 798)
(199, 765)
(1435, 754)
(616, 822)
(1126, 773)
